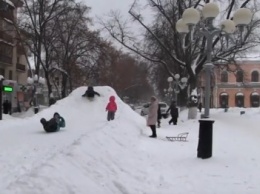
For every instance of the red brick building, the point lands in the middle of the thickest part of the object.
(237, 88)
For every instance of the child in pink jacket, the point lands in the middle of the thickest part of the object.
(111, 108)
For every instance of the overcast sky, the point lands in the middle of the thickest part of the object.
(101, 7)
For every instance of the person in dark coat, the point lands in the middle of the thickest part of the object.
(174, 113)
(54, 124)
(52, 101)
(200, 106)
(6, 107)
(90, 93)
(159, 116)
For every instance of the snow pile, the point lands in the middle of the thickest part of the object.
(31, 147)
(95, 156)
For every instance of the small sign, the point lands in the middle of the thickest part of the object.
(7, 89)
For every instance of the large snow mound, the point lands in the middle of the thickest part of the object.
(25, 146)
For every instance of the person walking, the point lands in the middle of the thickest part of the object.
(174, 113)
(6, 107)
(111, 108)
(200, 106)
(159, 116)
(152, 116)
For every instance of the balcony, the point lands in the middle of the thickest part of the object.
(20, 50)
(7, 14)
(6, 37)
(18, 3)
(20, 67)
(5, 59)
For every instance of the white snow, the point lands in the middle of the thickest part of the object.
(194, 92)
(9, 2)
(239, 94)
(92, 155)
(1, 40)
(255, 94)
(9, 21)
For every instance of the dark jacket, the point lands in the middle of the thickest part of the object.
(54, 124)
(90, 93)
(159, 113)
(173, 110)
(6, 107)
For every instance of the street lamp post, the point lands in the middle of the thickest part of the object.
(190, 18)
(166, 94)
(1, 96)
(170, 89)
(178, 83)
(36, 82)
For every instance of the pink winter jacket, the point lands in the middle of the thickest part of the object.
(111, 106)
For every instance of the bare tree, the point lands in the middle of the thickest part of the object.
(59, 39)
(75, 44)
(37, 21)
(126, 74)
(163, 45)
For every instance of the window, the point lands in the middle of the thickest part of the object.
(254, 99)
(8, 27)
(6, 50)
(255, 76)
(240, 76)
(223, 100)
(240, 100)
(2, 72)
(224, 76)
(10, 74)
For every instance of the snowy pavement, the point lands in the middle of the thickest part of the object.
(92, 155)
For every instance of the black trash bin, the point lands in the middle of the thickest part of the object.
(36, 110)
(205, 139)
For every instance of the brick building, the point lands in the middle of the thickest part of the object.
(13, 65)
(237, 88)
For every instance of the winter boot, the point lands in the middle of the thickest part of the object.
(154, 133)
(43, 121)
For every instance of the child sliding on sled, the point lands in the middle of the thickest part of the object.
(90, 93)
(111, 108)
(54, 124)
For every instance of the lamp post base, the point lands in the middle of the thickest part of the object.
(36, 110)
(203, 116)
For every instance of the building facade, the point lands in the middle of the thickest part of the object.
(237, 87)
(13, 64)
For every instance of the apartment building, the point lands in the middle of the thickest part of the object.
(238, 86)
(13, 65)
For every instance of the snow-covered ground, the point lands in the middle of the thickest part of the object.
(92, 155)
